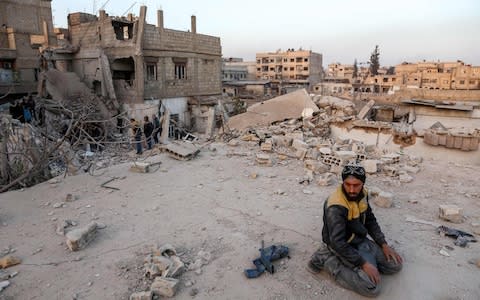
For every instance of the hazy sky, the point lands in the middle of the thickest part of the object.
(341, 30)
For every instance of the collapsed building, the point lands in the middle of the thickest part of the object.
(145, 68)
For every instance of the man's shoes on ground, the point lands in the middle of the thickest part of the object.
(312, 268)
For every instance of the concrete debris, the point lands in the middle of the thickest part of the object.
(370, 165)
(181, 150)
(165, 287)
(142, 296)
(444, 252)
(144, 167)
(326, 179)
(264, 160)
(405, 178)
(451, 213)
(78, 239)
(8, 261)
(365, 110)
(4, 284)
(284, 107)
(383, 199)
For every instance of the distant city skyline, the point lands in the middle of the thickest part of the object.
(341, 31)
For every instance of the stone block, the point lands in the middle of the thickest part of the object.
(79, 238)
(384, 199)
(166, 287)
(267, 147)
(142, 296)
(451, 213)
(346, 155)
(299, 145)
(370, 165)
(264, 159)
(411, 169)
(391, 158)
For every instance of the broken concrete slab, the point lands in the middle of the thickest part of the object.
(451, 213)
(166, 287)
(326, 179)
(78, 239)
(366, 109)
(284, 107)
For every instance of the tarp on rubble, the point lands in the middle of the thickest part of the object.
(281, 108)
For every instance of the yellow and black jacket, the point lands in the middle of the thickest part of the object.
(347, 223)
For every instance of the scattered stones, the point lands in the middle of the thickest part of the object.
(264, 159)
(384, 199)
(451, 213)
(405, 178)
(59, 205)
(307, 192)
(166, 287)
(79, 238)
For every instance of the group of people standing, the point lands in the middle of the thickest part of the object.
(151, 130)
(24, 110)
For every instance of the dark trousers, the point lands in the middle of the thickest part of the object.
(138, 144)
(354, 278)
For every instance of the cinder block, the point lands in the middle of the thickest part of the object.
(451, 213)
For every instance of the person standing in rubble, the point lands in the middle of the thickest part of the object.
(157, 128)
(148, 131)
(137, 133)
(353, 259)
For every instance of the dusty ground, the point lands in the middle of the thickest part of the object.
(212, 204)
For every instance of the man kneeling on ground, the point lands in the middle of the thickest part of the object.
(348, 254)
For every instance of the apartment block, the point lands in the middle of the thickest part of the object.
(25, 27)
(291, 67)
(438, 75)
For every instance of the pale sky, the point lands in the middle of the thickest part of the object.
(341, 30)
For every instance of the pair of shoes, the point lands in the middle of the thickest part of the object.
(312, 268)
(139, 153)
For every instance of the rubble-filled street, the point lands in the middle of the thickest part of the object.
(215, 210)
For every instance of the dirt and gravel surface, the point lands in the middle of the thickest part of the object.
(214, 204)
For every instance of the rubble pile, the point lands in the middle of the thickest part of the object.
(163, 268)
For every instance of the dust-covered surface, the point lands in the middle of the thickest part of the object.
(215, 204)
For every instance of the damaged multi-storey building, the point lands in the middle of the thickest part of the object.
(25, 27)
(145, 68)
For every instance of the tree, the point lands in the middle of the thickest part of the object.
(375, 61)
(355, 69)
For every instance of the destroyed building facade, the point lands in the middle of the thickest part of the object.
(140, 64)
(26, 26)
(301, 68)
